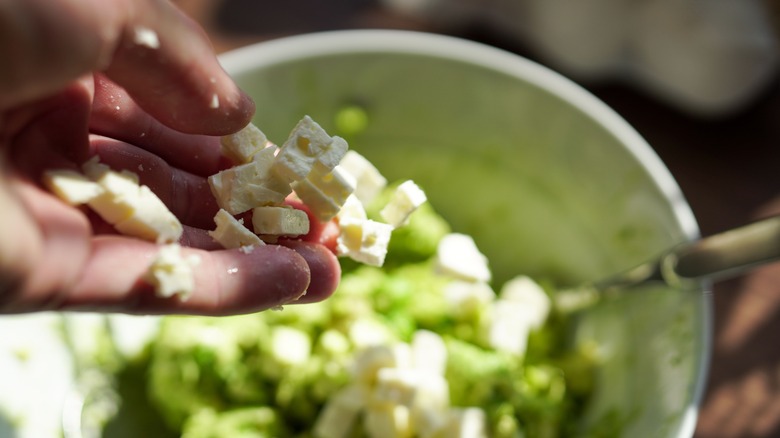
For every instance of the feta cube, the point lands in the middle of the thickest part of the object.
(364, 241)
(457, 255)
(369, 182)
(150, 219)
(340, 413)
(132, 209)
(536, 303)
(352, 209)
(172, 274)
(371, 359)
(325, 193)
(243, 187)
(466, 299)
(231, 232)
(71, 186)
(508, 326)
(279, 221)
(405, 200)
(466, 423)
(388, 422)
(429, 353)
(290, 346)
(307, 147)
(244, 144)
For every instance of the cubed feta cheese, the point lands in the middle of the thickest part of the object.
(405, 200)
(457, 255)
(466, 299)
(466, 423)
(279, 221)
(429, 352)
(171, 273)
(388, 422)
(307, 147)
(340, 413)
(243, 187)
(535, 301)
(71, 186)
(508, 327)
(150, 219)
(231, 232)
(131, 208)
(290, 346)
(242, 146)
(369, 182)
(325, 193)
(364, 241)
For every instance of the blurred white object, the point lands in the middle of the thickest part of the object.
(706, 57)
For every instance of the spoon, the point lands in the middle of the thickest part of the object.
(716, 257)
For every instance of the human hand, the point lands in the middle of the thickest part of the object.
(155, 109)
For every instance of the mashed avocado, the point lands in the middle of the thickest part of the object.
(357, 365)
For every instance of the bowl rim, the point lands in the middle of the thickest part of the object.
(338, 42)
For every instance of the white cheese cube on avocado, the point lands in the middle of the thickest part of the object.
(71, 186)
(466, 423)
(508, 327)
(244, 144)
(457, 255)
(364, 241)
(467, 299)
(405, 200)
(307, 147)
(171, 273)
(396, 386)
(429, 353)
(231, 232)
(290, 346)
(371, 359)
(151, 220)
(280, 221)
(535, 301)
(388, 422)
(325, 193)
(340, 413)
(369, 182)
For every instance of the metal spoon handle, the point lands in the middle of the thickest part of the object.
(728, 253)
(715, 257)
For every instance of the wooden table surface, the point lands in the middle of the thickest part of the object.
(728, 169)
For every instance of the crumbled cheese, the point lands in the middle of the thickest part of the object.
(71, 186)
(457, 255)
(405, 200)
(369, 182)
(172, 274)
(280, 221)
(244, 144)
(325, 193)
(307, 147)
(231, 232)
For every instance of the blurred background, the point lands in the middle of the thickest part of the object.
(697, 78)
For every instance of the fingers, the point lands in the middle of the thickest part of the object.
(148, 47)
(324, 267)
(115, 114)
(165, 61)
(226, 282)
